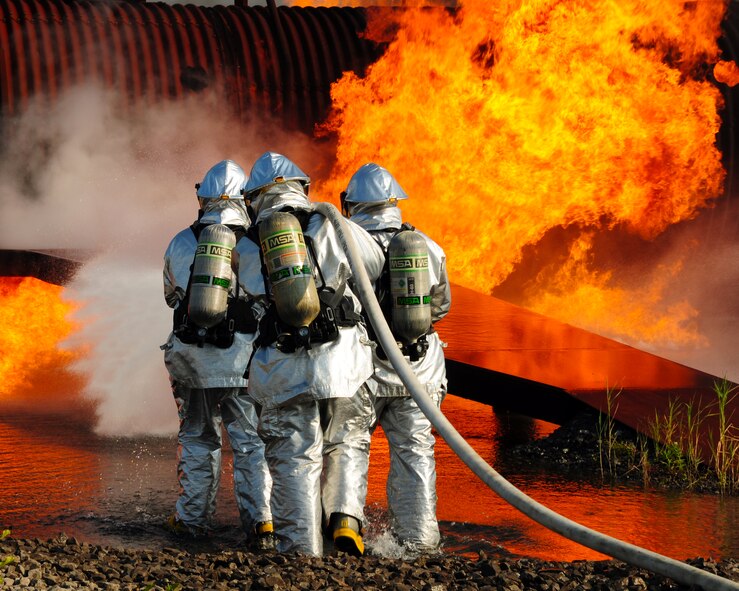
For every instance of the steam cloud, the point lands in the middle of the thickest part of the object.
(83, 175)
(709, 279)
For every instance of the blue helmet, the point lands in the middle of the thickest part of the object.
(272, 168)
(373, 184)
(223, 181)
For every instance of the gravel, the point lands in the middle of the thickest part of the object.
(66, 563)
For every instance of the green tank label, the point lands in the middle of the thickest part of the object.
(220, 251)
(291, 272)
(209, 249)
(409, 263)
(282, 240)
(210, 280)
(279, 275)
(409, 301)
(301, 270)
(413, 300)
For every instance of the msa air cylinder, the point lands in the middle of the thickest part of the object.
(289, 270)
(211, 276)
(410, 286)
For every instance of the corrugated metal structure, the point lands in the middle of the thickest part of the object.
(264, 59)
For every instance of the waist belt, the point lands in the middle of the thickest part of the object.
(239, 318)
(414, 351)
(324, 329)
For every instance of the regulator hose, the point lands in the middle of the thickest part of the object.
(629, 553)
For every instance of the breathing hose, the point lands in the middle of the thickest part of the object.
(629, 553)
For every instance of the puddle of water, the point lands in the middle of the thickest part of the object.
(58, 477)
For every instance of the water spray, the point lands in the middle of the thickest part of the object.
(629, 553)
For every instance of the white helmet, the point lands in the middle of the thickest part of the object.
(373, 184)
(272, 168)
(224, 180)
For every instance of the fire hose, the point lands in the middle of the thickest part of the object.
(629, 553)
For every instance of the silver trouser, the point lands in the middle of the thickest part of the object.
(202, 412)
(304, 438)
(411, 482)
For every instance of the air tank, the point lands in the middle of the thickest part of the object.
(410, 286)
(289, 269)
(211, 276)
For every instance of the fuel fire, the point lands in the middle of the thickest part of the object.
(506, 121)
(33, 366)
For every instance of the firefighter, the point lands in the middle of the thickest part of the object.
(311, 364)
(206, 362)
(371, 201)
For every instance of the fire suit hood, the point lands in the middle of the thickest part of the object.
(280, 196)
(372, 216)
(225, 211)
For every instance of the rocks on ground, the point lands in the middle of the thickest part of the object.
(69, 564)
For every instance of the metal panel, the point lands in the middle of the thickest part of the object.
(266, 60)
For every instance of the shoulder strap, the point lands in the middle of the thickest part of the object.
(252, 233)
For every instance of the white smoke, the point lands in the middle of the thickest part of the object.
(85, 174)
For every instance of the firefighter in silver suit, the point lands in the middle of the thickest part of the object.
(371, 201)
(207, 377)
(316, 406)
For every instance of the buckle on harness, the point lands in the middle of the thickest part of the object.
(414, 351)
(221, 335)
(289, 342)
(417, 350)
(323, 329)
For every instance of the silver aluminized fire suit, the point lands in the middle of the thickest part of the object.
(411, 485)
(317, 409)
(209, 386)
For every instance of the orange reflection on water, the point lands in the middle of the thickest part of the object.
(46, 472)
(60, 477)
(681, 526)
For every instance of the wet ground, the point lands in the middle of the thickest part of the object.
(59, 477)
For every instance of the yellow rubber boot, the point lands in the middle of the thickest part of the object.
(346, 533)
(264, 531)
(179, 528)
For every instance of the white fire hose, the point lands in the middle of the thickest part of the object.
(629, 553)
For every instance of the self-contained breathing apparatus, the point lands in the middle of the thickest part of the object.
(208, 313)
(403, 292)
(300, 313)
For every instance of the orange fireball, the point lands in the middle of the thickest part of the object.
(35, 370)
(505, 120)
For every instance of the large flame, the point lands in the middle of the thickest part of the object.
(34, 368)
(504, 120)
